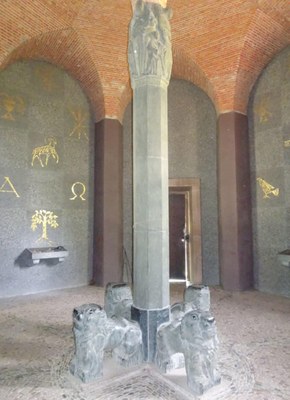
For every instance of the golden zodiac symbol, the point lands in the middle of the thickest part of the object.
(47, 151)
(44, 218)
(80, 195)
(267, 188)
(80, 123)
(8, 181)
(46, 75)
(11, 104)
(262, 110)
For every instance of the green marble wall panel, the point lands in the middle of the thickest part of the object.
(269, 123)
(46, 147)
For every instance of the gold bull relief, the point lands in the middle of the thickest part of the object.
(43, 218)
(5, 187)
(268, 189)
(78, 189)
(45, 152)
(11, 105)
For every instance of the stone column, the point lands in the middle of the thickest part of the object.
(235, 225)
(150, 61)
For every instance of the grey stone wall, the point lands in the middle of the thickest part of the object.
(192, 154)
(269, 122)
(39, 102)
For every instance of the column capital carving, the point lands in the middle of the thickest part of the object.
(149, 52)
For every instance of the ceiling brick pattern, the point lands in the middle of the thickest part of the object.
(219, 45)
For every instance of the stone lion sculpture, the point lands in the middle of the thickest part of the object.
(118, 300)
(199, 343)
(95, 333)
(90, 332)
(168, 344)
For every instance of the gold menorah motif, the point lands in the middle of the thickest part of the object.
(268, 189)
(47, 151)
(11, 105)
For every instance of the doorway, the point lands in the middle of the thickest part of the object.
(185, 231)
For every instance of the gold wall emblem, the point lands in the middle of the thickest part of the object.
(267, 189)
(44, 218)
(3, 188)
(11, 105)
(46, 76)
(80, 192)
(81, 127)
(46, 151)
(286, 143)
(262, 110)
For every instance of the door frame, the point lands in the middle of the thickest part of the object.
(191, 188)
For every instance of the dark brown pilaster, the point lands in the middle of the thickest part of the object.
(235, 227)
(108, 224)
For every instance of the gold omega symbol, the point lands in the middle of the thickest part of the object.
(80, 193)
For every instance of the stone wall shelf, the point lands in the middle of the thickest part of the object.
(284, 257)
(45, 253)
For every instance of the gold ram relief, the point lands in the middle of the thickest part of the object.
(11, 106)
(43, 153)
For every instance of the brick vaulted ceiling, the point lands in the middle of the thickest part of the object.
(219, 45)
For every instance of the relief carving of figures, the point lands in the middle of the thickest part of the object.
(150, 41)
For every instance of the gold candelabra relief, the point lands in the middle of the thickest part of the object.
(11, 105)
(79, 193)
(46, 151)
(262, 110)
(268, 189)
(80, 123)
(46, 75)
(4, 189)
(45, 219)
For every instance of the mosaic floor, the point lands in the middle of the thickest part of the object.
(36, 345)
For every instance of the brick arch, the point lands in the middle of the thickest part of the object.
(65, 49)
(265, 38)
(185, 68)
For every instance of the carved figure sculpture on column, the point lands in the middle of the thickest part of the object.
(150, 41)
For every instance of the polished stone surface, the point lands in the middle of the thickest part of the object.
(36, 346)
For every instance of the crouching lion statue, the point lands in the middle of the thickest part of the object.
(95, 333)
(199, 343)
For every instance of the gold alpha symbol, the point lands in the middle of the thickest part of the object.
(81, 193)
(44, 218)
(267, 188)
(80, 123)
(11, 105)
(8, 182)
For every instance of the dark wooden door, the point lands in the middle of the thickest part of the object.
(176, 235)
